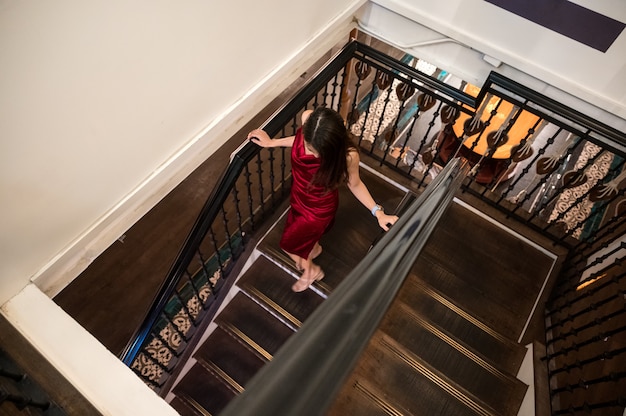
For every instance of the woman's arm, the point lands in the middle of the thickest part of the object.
(360, 191)
(261, 138)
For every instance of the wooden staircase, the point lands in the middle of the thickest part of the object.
(447, 346)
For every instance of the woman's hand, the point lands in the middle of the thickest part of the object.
(261, 138)
(385, 220)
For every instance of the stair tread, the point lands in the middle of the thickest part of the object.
(450, 358)
(235, 359)
(246, 318)
(404, 387)
(467, 297)
(183, 408)
(440, 311)
(272, 285)
(202, 387)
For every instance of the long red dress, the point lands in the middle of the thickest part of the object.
(313, 209)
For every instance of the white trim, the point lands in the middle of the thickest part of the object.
(526, 374)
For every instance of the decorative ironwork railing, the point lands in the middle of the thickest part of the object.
(548, 166)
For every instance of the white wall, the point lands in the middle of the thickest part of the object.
(106, 105)
(533, 55)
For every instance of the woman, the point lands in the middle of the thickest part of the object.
(322, 158)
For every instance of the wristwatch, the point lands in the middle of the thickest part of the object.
(376, 208)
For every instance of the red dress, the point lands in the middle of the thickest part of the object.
(312, 209)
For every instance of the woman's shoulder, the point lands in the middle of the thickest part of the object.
(305, 115)
(352, 156)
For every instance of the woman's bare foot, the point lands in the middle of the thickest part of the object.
(307, 279)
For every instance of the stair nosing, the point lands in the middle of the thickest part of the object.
(264, 301)
(367, 390)
(228, 327)
(221, 374)
(450, 305)
(194, 404)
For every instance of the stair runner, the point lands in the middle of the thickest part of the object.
(438, 351)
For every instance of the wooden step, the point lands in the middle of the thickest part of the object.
(467, 297)
(203, 391)
(441, 312)
(406, 384)
(256, 326)
(363, 398)
(271, 286)
(459, 364)
(234, 361)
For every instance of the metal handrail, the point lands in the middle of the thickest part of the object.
(320, 356)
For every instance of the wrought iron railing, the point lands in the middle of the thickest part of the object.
(557, 171)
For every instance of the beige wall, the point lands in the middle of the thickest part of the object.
(107, 105)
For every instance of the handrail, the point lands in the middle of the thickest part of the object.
(207, 215)
(615, 136)
(323, 352)
(435, 84)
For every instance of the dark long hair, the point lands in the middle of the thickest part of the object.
(326, 132)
